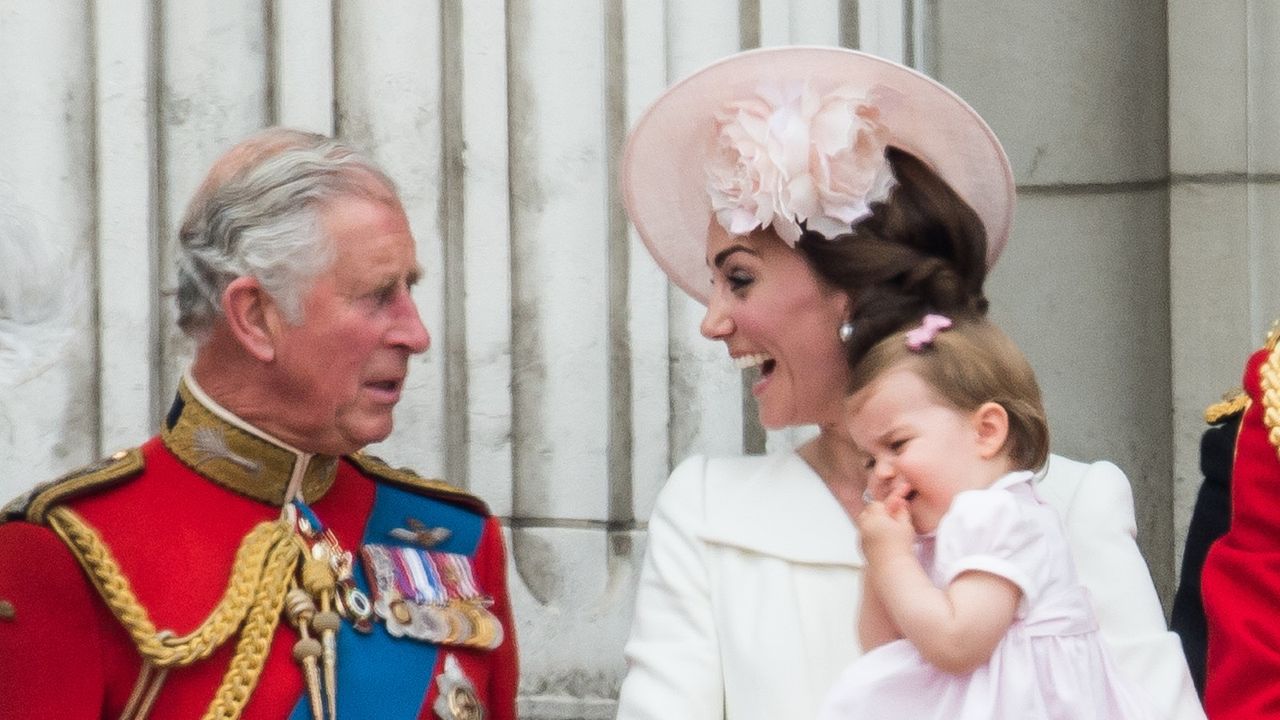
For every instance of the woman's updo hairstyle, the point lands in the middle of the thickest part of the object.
(922, 249)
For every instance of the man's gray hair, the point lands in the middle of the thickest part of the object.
(258, 214)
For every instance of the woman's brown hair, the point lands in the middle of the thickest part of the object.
(922, 249)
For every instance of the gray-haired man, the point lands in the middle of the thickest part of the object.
(250, 561)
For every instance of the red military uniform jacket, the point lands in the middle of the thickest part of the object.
(1241, 577)
(140, 550)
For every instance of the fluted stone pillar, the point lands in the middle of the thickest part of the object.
(1076, 91)
(1224, 131)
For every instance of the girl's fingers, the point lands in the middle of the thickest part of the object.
(896, 503)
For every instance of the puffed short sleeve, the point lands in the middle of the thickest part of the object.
(990, 531)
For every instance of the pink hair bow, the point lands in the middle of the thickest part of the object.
(928, 329)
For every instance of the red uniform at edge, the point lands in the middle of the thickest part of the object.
(1241, 578)
(174, 532)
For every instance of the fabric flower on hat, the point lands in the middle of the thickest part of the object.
(789, 156)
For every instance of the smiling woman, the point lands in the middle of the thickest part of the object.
(813, 199)
(773, 313)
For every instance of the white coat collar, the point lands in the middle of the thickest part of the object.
(777, 505)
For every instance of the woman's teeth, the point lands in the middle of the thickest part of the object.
(749, 361)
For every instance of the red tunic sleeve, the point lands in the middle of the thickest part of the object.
(51, 654)
(504, 675)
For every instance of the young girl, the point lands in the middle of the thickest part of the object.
(971, 606)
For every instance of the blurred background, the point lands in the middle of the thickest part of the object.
(566, 377)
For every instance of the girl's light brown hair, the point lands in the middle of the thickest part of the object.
(966, 365)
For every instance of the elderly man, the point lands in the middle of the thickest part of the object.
(250, 561)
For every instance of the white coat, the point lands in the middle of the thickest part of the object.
(748, 602)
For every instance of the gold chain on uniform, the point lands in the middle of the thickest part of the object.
(263, 572)
(1270, 376)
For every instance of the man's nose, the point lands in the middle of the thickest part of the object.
(408, 331)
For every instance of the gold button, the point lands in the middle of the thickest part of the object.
(6, 610)
(119, 455)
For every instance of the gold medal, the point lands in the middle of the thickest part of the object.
(460, 629)
(400, 611)
(457, 699)
(488, 631)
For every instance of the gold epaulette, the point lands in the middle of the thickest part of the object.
(1232, 403)
(1236, 401)
(410, 480)
(107, 472)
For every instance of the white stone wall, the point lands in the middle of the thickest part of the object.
(566, 376)
(1224, 132)
(1076, 90)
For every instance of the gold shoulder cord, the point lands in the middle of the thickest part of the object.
(1270, 377)
(263, 572)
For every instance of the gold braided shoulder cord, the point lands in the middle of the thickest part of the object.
(1270, 376)
(263, 571)
(259, 627)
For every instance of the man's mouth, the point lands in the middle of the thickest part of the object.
(388, 389)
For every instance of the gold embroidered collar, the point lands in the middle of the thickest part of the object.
(232, 453)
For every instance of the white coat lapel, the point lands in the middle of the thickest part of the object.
(777, 505)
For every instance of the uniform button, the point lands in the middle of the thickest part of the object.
(119, 455)
(6, 610)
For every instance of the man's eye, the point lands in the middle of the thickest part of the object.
(897, 445)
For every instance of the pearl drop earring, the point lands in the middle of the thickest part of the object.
(846, 331)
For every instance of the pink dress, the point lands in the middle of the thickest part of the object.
(1051, 662)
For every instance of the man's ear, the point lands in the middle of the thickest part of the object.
(991, 425)
(253, 317)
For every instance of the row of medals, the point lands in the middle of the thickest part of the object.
(440, 606)
(430, 596)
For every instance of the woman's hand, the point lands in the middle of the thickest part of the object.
(885, 527)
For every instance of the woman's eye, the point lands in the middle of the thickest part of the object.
(898, 445)
(739, 280)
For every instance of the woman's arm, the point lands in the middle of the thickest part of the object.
(673, 658)
(1096, 505)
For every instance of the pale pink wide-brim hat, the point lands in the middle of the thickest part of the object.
(664, 181)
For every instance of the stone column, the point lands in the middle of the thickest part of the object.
(1076, 91)
(1224, 137)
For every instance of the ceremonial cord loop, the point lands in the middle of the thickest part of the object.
(259, 628)
(264, 570)
(1270, 377)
